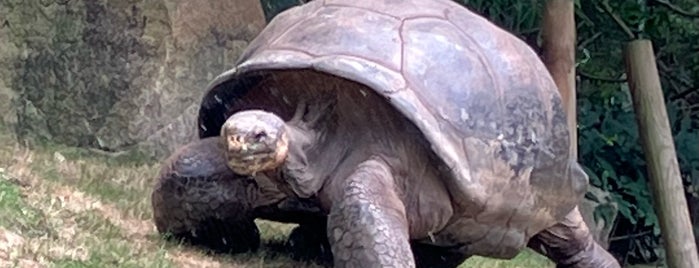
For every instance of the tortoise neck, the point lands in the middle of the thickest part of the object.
(296, 172)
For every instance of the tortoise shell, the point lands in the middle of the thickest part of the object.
(480, 96)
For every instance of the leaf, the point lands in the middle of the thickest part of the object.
(626, 212)
(607, 167)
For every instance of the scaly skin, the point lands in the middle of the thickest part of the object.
(570, 245)
(367, 222)
(198, 199)
(367, 226)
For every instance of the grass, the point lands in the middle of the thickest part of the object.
(68, 207)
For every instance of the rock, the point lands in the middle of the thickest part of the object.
(114, 74)
(8, 59)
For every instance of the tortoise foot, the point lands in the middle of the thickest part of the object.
(220, 236)
(429, 256)
(309, 243)
(570, 245)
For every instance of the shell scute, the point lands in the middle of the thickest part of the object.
(271, 31)
(441, 64)
(325, 35)
(409, 8)
(372, 75)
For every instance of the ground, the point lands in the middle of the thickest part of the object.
(68, 207)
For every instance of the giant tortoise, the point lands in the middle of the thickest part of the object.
(424, 133)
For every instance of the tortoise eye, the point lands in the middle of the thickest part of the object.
(260, 136)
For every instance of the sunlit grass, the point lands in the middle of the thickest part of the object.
(526, 259)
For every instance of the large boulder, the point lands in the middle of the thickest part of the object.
(115, 74)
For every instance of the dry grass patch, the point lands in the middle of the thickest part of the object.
(68, 207)
(71, 233)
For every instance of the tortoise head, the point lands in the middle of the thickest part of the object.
(254, 141)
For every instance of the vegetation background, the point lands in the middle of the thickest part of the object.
(94, 93)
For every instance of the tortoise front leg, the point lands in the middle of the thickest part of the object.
(569, 244)
(367, 225)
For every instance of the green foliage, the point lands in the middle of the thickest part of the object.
(273, 7)
(608, 136)
(15, 213)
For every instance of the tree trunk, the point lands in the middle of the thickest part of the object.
(558, 32)
(559, 43)
(663, 168)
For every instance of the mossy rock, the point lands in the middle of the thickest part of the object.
(114, 75)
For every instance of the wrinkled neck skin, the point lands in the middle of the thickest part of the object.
(297, 176)
(321, 147)
(296, 173)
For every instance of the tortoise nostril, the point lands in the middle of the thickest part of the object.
(235, 143)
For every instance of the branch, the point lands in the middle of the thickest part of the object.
(586, 42)
(691, 110)
(677, 9)
(694, 108)
(684, 94)
(629, 236)
(599, 78)
(107, 153)
(530, 31)
(618, 20)
(669, 74)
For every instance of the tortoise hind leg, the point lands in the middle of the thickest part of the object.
(367, 225)
(569, 244)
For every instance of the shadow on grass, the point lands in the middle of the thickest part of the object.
(274, 252)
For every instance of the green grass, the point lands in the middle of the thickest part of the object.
(70, 207)
(16, 214)
(525, 259)
(106, 245)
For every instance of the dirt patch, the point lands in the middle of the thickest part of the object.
(77, 201)
(9, 242)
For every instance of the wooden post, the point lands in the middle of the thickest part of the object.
(558, 36)
(659, 149)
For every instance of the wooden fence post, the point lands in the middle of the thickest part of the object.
(661, 159)
(559, 38)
